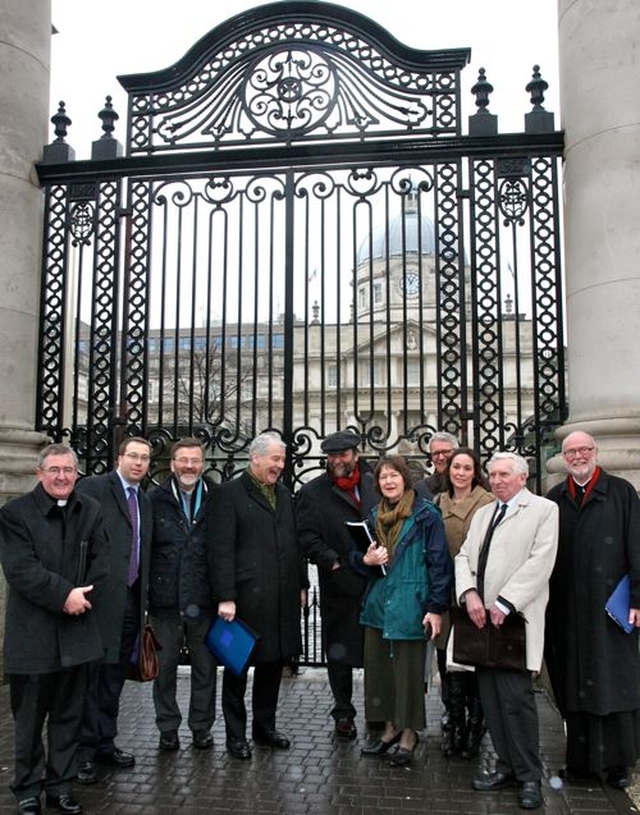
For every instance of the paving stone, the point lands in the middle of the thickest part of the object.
(320, 775)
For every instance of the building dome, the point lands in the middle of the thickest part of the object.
(414, 239)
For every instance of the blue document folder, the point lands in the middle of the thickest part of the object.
(232, 643)
(619, 603)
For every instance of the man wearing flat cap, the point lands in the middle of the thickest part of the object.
(345, 492)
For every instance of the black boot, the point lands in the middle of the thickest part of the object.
(445, 719)
(454, 739)
(475, 723)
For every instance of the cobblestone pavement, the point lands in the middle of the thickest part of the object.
(319, 774)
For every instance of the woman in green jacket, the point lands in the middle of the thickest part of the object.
(410, 577)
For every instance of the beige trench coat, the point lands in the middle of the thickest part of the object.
(521, 559)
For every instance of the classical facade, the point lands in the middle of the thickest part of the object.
(600, 119)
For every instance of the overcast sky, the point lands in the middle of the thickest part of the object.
(98, 41)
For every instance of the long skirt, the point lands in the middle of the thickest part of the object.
(394, 680)
(596, 743)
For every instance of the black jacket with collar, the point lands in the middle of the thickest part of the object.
(322, 511)
(41, 562)
(180, 578)
(108, 491)
(256, 561)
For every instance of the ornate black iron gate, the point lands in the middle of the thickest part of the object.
(300, 237)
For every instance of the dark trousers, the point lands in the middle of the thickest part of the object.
(510, 712)
(341, 682)
(266, 687)
(104, 687)
(57, 700)
(174, 632)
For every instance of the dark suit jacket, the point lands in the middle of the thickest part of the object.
(107, 489)
(322, 509)
(42, 564)
(255, 560)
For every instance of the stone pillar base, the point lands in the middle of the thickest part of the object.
(19, 450)
(618, 440)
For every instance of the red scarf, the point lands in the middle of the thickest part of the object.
(349, 483)
(571, 485)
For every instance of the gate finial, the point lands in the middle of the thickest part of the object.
(482, 123)
(59, 150)
(538, 120)
(106, 146)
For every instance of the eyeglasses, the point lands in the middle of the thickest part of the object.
(439, 453)
(143, 457)
(188, 461)
(59, 470)
(578, 451)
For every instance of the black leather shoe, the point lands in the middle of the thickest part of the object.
(64, 803)
(530, 795)
(239, 748)
(492, 781)
(29, 806)
(403, 756)
(346, 729)
(271, 738)
(378, 747)
(87, 773)
(202, 739)
(116, 758)
(169, 741)
(618, 778)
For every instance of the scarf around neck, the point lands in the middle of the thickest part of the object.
(572, 486)
(390, 519)
(349, 483)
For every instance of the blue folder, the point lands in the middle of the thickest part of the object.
(619, 603)
(232, 643)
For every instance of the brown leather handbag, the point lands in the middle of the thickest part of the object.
(144, 665)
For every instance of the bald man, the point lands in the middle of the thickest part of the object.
(593, 664)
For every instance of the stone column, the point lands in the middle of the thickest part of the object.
(600, 102)
(24, 101)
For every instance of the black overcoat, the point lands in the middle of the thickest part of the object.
(593, 665)
(41, 563)
(179, 578)
(108, 490)
(322, 510)
(255, 560)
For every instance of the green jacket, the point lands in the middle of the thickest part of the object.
(418, 578)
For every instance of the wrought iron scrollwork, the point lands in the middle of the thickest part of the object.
(292, 79)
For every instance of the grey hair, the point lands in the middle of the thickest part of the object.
(441, 435)
(260, 445)
(56, 450)
(520, 465)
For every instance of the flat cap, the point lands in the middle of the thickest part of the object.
(340, 441)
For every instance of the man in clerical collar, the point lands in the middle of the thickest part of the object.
(54, 553)
(181, 595)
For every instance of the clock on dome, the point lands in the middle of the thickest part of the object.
(410, 284)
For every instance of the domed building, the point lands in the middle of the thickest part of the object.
(391, 352)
